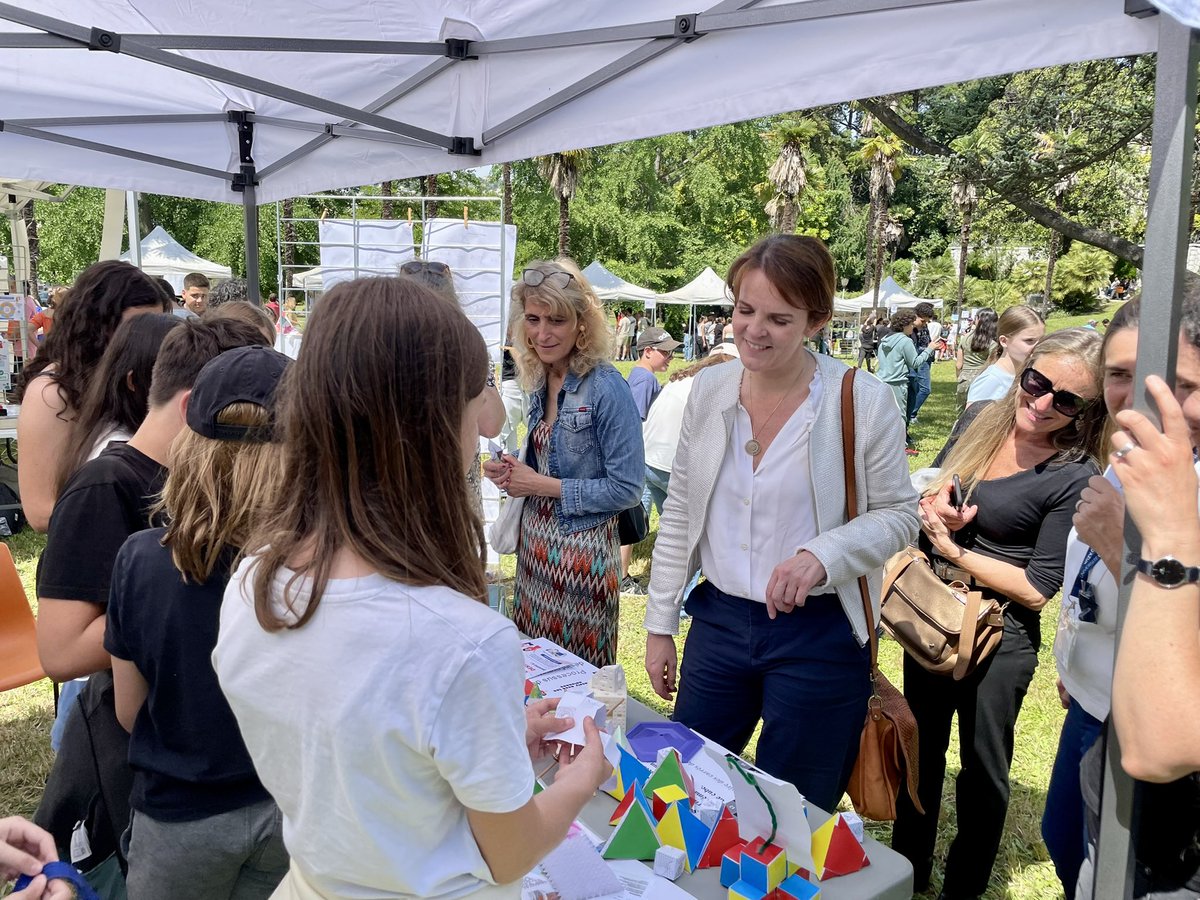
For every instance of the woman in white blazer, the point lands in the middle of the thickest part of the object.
(757, 501)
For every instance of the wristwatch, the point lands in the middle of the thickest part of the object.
(1168, 571)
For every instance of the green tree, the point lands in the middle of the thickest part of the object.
(561, 172)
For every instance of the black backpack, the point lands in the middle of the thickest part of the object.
(12, 517)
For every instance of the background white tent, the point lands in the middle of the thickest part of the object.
(165, 257)
(891, 295)
(613, 287)
(706, 288)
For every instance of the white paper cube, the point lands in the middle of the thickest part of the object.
(669, 862)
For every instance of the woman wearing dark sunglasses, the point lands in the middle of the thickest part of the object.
(1023, 461)
(583, 463)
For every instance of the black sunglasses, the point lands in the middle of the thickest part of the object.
(1035, 384)
(534, 277)
(418, 266)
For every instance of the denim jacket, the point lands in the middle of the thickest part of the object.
(595, 447)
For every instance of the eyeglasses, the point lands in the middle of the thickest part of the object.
(420, 266)
(1035, 384)
(534, 277)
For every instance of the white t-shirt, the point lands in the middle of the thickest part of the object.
(375, 726)
(759, 518)
(1083, 650)
(935, 330)
(660, 431)
(991, 384)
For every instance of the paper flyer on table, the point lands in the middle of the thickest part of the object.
(543, 656)
(638, 881)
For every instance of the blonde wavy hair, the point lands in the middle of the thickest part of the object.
(215, 490)
(1080, 438)
(578, 303)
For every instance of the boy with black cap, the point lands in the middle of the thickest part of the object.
(102, 504)
(203, 824)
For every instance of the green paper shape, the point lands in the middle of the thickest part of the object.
(669, 771)
(634, 838)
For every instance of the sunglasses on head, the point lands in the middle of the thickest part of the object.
(1035, 384)
(534, 277)
(418, 266)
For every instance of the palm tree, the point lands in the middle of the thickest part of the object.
(388, 207)
(882, 153)
(35, 245)
(561, 173)
(964, 197)
(287, 253)
(787, 175)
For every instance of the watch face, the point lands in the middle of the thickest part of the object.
(1168, 572)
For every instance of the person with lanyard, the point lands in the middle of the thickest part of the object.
(1022, 461)
(757, 501)
(1084, 646)
(1157, 675)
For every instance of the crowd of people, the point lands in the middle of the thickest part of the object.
(265, 579)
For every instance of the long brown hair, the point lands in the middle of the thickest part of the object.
(372, 419)
(215, 490)
(1079, 439)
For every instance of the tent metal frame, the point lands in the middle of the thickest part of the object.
(658, 36)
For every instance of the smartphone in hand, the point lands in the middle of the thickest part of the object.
(957, 497)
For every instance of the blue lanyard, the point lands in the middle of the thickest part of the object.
(66, 872)
(1083, 591)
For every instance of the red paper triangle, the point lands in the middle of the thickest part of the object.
(845, 855)
(724, 836)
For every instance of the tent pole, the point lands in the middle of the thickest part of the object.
(135, 228)
(1167, 225)
(245, 182)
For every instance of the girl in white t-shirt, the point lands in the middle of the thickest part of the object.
(1084, 643)
(379, 697)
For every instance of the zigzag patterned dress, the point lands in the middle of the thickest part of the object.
(568, 585)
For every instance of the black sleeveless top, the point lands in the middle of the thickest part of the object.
(1167, 841)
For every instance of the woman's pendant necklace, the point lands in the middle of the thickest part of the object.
(753, 447)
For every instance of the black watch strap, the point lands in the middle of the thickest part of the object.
(1168, 571)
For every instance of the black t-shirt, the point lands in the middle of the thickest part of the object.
(106, 501)
(508, 366)
(1167, 841)
(186, 751)
(1024, 520)
(920, 337)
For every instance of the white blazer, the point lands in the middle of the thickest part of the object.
(887, 504)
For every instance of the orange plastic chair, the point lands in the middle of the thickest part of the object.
(19, 663)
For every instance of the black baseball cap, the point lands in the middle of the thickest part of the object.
(241, 375)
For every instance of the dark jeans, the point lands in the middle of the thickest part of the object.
(804, 674)
(987, 702)
(920, 386)
(1063, 823)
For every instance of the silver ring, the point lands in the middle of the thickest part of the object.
(1078, 503)
(1124, 451)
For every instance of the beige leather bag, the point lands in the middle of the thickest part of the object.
(948, 629)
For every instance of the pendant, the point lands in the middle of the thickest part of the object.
(753, 447)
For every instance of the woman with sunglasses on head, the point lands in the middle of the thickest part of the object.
(583, 463)
(1023, 462)
(1084, 643)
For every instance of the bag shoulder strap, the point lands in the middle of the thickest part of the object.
(848, 467)
(966, 638)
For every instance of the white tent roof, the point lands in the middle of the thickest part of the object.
(613, 287)
(707, 287)
(892, 296)
(521, 77)
(165, 257)
(308, 280)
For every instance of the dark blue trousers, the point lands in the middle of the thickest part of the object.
(804, 674)
(1063, 823)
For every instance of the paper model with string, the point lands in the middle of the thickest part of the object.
(770, 809)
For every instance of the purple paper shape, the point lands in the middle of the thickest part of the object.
(647, 738)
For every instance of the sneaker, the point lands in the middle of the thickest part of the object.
(911, 451)
(630, 585)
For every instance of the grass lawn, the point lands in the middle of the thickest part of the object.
(1023, 870)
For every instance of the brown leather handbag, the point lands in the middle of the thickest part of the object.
(887, 748)
(948, 629)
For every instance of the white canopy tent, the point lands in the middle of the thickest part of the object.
(165, 257)
(892, 296)
(309, 95)
(613, 287)
(706, 288)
